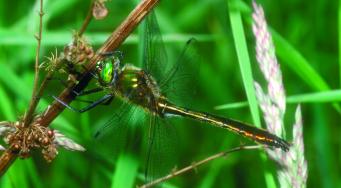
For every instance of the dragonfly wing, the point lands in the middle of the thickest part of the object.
(154, 52)
(161, 157)
(180, 83)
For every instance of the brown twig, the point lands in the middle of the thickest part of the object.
(115, 39)
(6, 159)
(37, 94)
(197, 164)
(50, 74)
(87, 19)
(35, 100)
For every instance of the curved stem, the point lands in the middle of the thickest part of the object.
(197, 164)
(87, 19)
(35, 99)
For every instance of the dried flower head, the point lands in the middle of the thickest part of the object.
(22, 139)
(99, 10)
(272, 104)
(53, 63)
(79, 50)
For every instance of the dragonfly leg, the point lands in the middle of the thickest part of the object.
(82, 93)
(93, 74)
(108, 101)
(88, 92)
(104, 99)
(90, 102)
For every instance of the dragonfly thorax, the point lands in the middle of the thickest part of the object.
(138, 87)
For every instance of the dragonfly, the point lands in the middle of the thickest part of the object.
(143, 88)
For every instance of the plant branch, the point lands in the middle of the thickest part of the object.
(6, 159)
(35, 99)
(197, 164)
(36, 95)
(87, 19)
(115, 39)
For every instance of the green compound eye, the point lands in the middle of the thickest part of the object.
(106, 74)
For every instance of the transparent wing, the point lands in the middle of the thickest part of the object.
(117, 126)
(154, 53)
(174, 82)
(161, 156)
(181, 81)
(177, 79)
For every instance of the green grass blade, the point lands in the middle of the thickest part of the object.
(17, 179)
(321, 139)
(245, 66)
(297, 63)
(339, 34)
(33, 173)
(330, 96)
(125, 172)
(231, 105)
(244, 61)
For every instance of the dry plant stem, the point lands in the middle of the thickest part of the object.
(87, 19)
(117, 37)
(35, 99)
(197, 164)
(6, 159)
(50, 74)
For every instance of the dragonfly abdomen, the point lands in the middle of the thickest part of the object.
(251, 132)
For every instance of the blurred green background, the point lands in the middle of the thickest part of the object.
(306, 38)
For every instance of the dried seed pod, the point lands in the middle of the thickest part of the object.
(9, 138)
(23, 139)
(45, 141)
(50, 133)
(15, 148)
(49, 153)
(76, 52)
(89, 51)
(99, 10)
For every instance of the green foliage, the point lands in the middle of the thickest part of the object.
(305, 35)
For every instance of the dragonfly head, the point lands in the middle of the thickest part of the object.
(107, 71)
